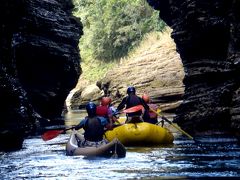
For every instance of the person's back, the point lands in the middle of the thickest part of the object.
(93, 125)
(106, 110)
(103, 108)
(150, 116)
(130, 101)
(102, 111)
(94, 130)
(133, 100)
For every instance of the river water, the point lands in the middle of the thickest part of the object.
(210, 157)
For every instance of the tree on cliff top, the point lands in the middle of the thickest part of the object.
(113, 27)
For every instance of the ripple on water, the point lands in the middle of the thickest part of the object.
(47, 160)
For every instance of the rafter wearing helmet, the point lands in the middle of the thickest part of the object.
(93, 125)
(148, 115)
(107, 110)
(132, 100)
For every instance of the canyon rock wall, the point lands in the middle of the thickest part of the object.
(39, 64)
(207, 37)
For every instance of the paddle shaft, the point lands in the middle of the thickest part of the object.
(170, 122)
(54, 133)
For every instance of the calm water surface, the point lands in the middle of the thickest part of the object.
(212, 157)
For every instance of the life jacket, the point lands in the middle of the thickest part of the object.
(133, 100)
(94, 128)
(102, 111)
(150, 116)
(111, 110)
(151, 113)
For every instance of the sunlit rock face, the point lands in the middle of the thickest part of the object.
(39, 63)
(207, 37)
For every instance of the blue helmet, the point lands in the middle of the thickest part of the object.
(91, 109)
(131, 89)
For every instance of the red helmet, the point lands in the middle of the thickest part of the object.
(146, 98)
(105, 101)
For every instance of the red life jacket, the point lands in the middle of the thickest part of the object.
(151, 113)
(102, 111)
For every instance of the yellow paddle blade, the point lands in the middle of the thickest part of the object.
(159, 111)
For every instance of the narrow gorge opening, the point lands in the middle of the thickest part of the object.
(99, 73)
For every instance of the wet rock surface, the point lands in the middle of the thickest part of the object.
(39, 64)
(156, 70)
(207, 37)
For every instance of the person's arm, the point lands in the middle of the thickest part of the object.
(122, 104)
(105, 123)
(79, 136)
(146, 107)
(80, 125)
(112, 115)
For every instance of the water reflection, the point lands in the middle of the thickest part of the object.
(209, 157)
(74, 117)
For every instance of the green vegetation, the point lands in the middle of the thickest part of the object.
(112, 28)
(95, 70)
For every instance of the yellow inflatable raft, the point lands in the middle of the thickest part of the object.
(140, 134)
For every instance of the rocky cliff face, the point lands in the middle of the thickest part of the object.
(154, 68)
(207, 37)
(39, 64)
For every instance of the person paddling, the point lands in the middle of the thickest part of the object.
(94, 128)
(108, 111)
(102, 108)
(148, 115)
(132, 100)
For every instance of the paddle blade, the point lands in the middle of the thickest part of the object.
(51, 134)
(133, 109)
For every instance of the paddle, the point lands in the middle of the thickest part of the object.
(170, 122)
(129, 110)
(140, 107)
(51, 134)
(133, 109)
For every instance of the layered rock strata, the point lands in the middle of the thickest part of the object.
(207, 37)
(154, 68)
